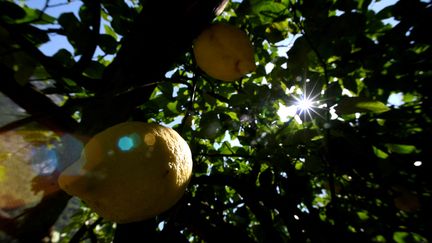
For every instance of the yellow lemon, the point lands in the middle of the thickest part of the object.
(224, 52)
(131, 171)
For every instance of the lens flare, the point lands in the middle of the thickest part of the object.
(125, 143)
(307, 104)
(128, 142)
(304, 104)
(30, 159)
(44, 160)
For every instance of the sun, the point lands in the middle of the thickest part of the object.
(306, 104)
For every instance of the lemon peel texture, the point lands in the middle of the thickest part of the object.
(224, 52)
(131, 171)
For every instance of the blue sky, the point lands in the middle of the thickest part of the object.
(57, 41)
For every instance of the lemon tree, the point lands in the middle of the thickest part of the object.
(304, 118)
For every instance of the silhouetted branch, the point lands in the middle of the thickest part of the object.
(53, 67)
(36, 104)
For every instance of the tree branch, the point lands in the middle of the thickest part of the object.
(54, 68)
(154, 44)
(36, 104)
(145, 57)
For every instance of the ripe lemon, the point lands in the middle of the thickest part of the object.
(224, 52)
(131, 171)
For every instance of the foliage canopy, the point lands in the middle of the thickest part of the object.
(337, 173)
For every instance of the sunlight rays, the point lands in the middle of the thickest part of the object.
(307, 105)
(304, 107)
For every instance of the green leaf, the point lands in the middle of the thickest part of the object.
(408, 97)
(363, 215)
(379, 153)
(120, 25)
(64, 57)
(298, 57)
(400, 237)
(385, 13)
(353, 105)
(77, 34)
(36, 36)
(110, 31)
(172, 106)
(24, 67)
(94, 70)
(401, 148)
(85, 14)
(267, 10)
(11, 11)
(277, 31)
(167, 89)
(238, 100)
(157, 102)
(35, 16)
(108, 44)
(69, 22)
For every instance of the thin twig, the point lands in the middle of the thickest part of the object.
(60, 4)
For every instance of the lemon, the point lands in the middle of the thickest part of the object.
(224, 52)
(131, 171)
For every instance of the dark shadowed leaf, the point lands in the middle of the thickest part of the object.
(94, 70)
(108, 44)
(11, 11)
(353, 105)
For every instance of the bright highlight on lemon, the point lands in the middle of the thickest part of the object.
(224, 52)
(131, 171)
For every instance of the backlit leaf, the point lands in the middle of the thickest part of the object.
(353, 105)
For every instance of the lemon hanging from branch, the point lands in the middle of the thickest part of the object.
(224, 52)
(131, 171)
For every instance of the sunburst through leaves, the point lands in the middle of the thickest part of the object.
(307, 105)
